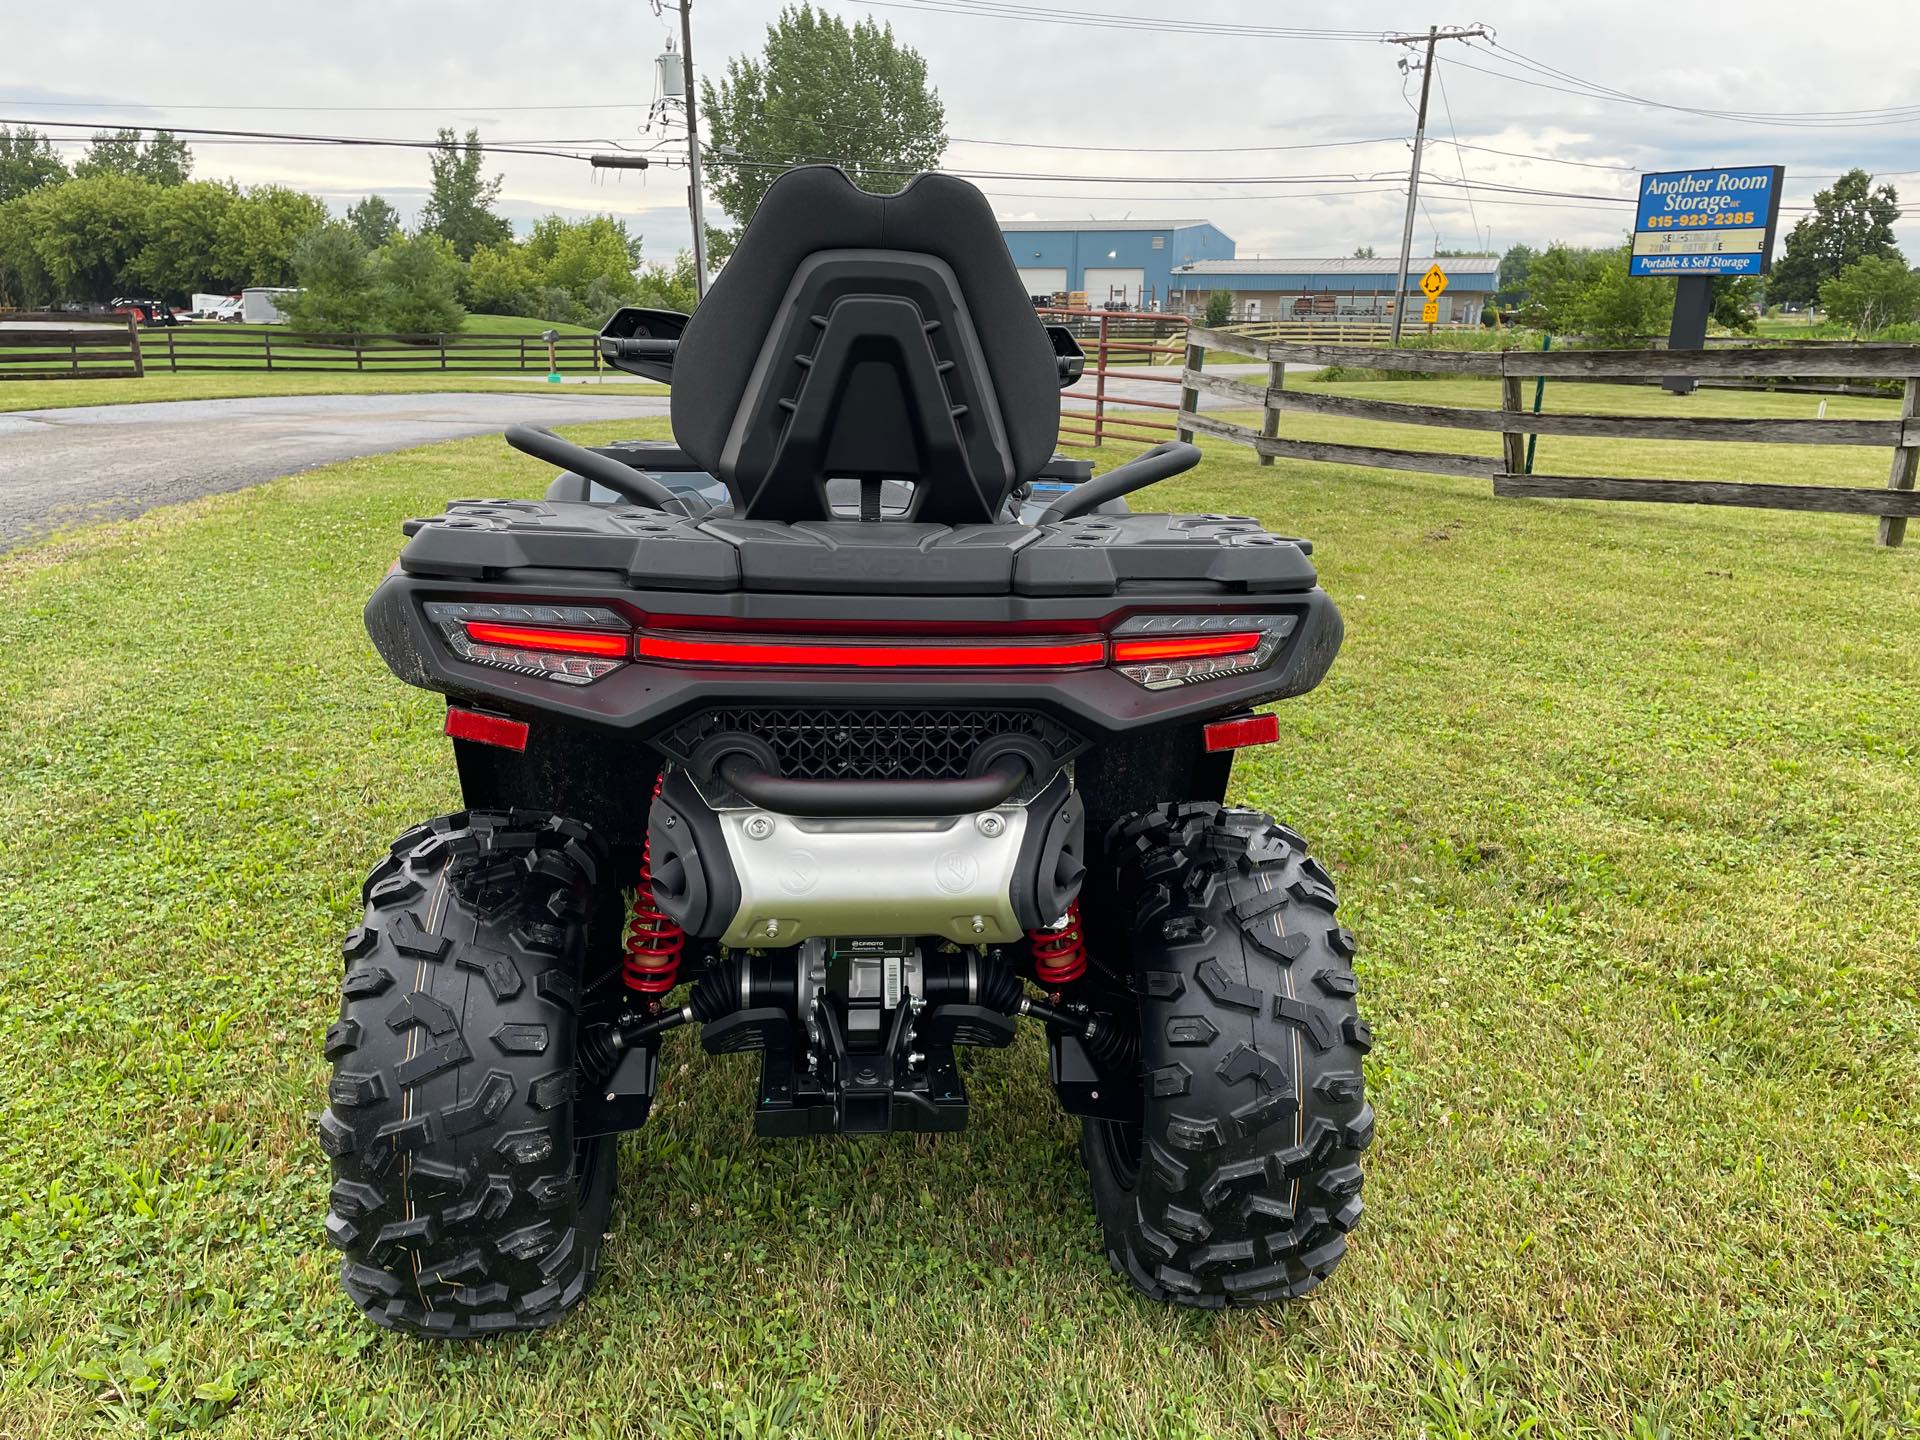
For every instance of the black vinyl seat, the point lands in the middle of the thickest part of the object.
(866, 337)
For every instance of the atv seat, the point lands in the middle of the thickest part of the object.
(871, 338)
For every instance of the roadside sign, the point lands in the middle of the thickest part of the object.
(1433, 282)
(1430, 313)
(1707, 222)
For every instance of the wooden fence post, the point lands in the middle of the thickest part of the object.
(1189, 395)
(173, 355)
(133, 334)
(1513, 444)
(443, 350)
(1906, 463)
(359, 353)
(266, 345)
(1270, 419)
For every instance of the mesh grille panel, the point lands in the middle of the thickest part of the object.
(869, 744)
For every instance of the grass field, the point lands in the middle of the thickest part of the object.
(1624, 802)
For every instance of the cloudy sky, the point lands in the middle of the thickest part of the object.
(1257, 114)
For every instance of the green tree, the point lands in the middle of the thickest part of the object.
(1732, 302)
(27, 161)
(87, 234)
(1364, 252)
(24, 284)
(374, 221)
(1872, 293)
(502, 280)
(418, 282)
(1849, 222)
(820, 90)
(1590, 293)
(338, 293)
(1515, 266)
(460, 207)
(1219, 307)
(164, 160)
(182, 237)
(668, 287)
(258, 233)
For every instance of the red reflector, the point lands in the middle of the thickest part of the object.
(1243, 731)
(1185, 647)
(487, 729)
(960, 654)
(532, 637)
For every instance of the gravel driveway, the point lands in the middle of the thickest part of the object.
(107, 462)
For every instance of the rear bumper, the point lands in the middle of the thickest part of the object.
(644, 698)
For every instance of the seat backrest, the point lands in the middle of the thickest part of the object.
(871, 337)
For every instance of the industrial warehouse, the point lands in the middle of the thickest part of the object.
(1174, 265)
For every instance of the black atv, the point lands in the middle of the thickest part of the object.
(848, 730)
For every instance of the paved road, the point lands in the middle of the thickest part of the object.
(108, 462)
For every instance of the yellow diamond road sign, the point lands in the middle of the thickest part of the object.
(1430, 313)
(1433, 282)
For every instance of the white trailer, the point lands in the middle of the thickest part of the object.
(257, 305)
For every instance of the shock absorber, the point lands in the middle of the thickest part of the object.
(1059, 952)
(651, 965)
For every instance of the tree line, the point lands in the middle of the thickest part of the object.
(129, 218)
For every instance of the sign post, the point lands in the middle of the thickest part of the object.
(1696, 224)
(1432, 285)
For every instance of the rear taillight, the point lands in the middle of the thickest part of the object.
(486, 729)
(878, 654)
(1164, 651)
(574, 644)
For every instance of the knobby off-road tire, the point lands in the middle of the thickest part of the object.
(461, 1200)
(1243, 1180)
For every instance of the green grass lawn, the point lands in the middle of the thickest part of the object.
(59, 394)
(1624, 802)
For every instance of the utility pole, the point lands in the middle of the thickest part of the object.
(694, 206)
(1433, 37)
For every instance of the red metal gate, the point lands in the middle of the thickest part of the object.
(1133, 358)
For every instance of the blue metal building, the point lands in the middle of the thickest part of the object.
(1131, 262)
(1346, 288)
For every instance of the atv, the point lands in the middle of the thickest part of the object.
(852, 729)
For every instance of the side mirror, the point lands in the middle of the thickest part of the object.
(1068, 358)
(642, 342)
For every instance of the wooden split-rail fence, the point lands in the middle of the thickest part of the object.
(1893, 503)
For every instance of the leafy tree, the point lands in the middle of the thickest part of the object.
(502, 280)
(418, 282)
(821, 90)
(1850, 221)
(1219, 307)
(1515, 266)
(87, 233)
(1872, 293)
(27, 161)
(460, 207)
(663, 287)
(24, 283)
(1731, 304)
(182, 237)
(259, 231)
(374, 221)
(1590, 293)
(575, 254)
(1364, 252)
(337, 291)
(164, 160)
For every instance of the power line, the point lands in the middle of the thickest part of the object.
(1459, 159)
(462, 107)
(1590, 92)
(1177, 149)
(1110, 20)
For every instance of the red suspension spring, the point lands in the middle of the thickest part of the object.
(1059, 956)
(654, 941)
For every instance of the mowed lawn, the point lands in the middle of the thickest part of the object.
(234, 384)
(1624, 803)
